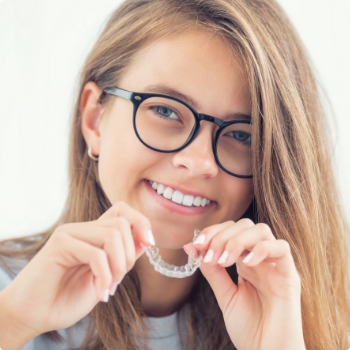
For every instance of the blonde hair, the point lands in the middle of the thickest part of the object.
(295, 191)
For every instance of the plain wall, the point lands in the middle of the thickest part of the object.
(42, 47)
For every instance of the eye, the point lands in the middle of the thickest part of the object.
(241, 136)
(165, 112)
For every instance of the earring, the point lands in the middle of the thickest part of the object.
(91, 155)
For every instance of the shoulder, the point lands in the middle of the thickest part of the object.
(10, 265)
(72, 338)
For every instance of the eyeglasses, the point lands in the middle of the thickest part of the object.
(167, 124)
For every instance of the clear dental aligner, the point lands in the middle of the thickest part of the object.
(171, 270)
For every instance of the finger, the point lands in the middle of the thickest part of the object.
(73, 252)
(277, 251)
(228, 246)
(204, 238)
(115, 249)
(133, 248)
(108, 238)
(188, 248)
(140, 225)
(218, 278)
(128, 243)
(220, 282)
(209, 232)
(112, 239)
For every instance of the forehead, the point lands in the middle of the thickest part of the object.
(197, 63)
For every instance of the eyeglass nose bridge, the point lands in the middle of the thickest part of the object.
(219, 122)
(211, 119)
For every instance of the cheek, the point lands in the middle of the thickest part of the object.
(123, 162)
(118, 145)
(117, 140)
(239, 196)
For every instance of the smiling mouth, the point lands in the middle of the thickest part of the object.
(178, 197)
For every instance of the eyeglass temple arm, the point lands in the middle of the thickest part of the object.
(119, 92)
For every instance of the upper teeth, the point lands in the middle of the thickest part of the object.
(178, 197)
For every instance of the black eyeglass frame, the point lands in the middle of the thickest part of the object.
(137, 98)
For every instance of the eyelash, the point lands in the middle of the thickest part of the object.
(246, 142)
(154, 109)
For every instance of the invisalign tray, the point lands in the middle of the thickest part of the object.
(171, 270)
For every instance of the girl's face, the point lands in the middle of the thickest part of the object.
(201, 67)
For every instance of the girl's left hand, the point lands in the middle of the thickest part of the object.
(264, 310)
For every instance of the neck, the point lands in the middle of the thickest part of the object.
(162, 295)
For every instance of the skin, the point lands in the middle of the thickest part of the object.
(82, 261)
(193, 169)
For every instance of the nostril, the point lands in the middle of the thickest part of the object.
(196, 162)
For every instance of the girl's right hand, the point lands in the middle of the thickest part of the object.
(77, 267)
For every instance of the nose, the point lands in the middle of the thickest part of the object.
(198, 158)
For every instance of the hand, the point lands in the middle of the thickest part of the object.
(76, 268)
(263, 311)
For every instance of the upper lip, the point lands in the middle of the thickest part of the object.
(183, 190)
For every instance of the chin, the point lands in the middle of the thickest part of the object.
(172, 237)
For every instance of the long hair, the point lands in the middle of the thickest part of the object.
(294, 186)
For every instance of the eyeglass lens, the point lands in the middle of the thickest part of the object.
(165, 124)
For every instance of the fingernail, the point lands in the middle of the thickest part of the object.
(248, 258)
(150, 238)
(186, 248)
(209, 256)
(113, 288)
(105, 295)
(200, 239)
(223, 257)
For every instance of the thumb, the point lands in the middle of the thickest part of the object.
(139, 249)
(218, 278)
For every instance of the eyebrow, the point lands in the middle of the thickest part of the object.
(167, 90)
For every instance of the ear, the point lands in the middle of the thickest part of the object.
(90, 116)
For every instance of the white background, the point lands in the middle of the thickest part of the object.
(42, 46)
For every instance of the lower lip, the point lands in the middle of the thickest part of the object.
(174, 207)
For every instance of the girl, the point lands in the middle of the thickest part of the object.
(198, 114)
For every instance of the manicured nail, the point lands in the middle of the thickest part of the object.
(113, 288)
(209, 256)
(105, 295)
(248, 258)
(223, 258)
(187, 248)
(150, 238)
(200, 239)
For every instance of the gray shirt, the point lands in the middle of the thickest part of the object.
(164, 334)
